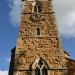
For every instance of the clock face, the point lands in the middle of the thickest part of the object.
(35, 17)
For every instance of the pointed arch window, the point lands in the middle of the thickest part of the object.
(40, 67)
(38, 31)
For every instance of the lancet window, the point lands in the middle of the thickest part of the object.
(38, 31)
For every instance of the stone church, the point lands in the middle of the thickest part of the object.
(38, 49)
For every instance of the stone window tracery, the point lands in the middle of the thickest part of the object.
(39, 67)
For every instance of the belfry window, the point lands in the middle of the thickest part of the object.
(38, 7)
(40, 67)
(38, 31)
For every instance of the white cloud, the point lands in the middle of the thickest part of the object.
(3, 72)
(15, 13)
(65, 14)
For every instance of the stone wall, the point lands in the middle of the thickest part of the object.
(47, 45)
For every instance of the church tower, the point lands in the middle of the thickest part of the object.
(38, 50)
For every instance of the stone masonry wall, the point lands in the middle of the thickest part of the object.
(30, 46)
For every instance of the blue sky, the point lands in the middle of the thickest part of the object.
(9, 27)
(8, 35)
